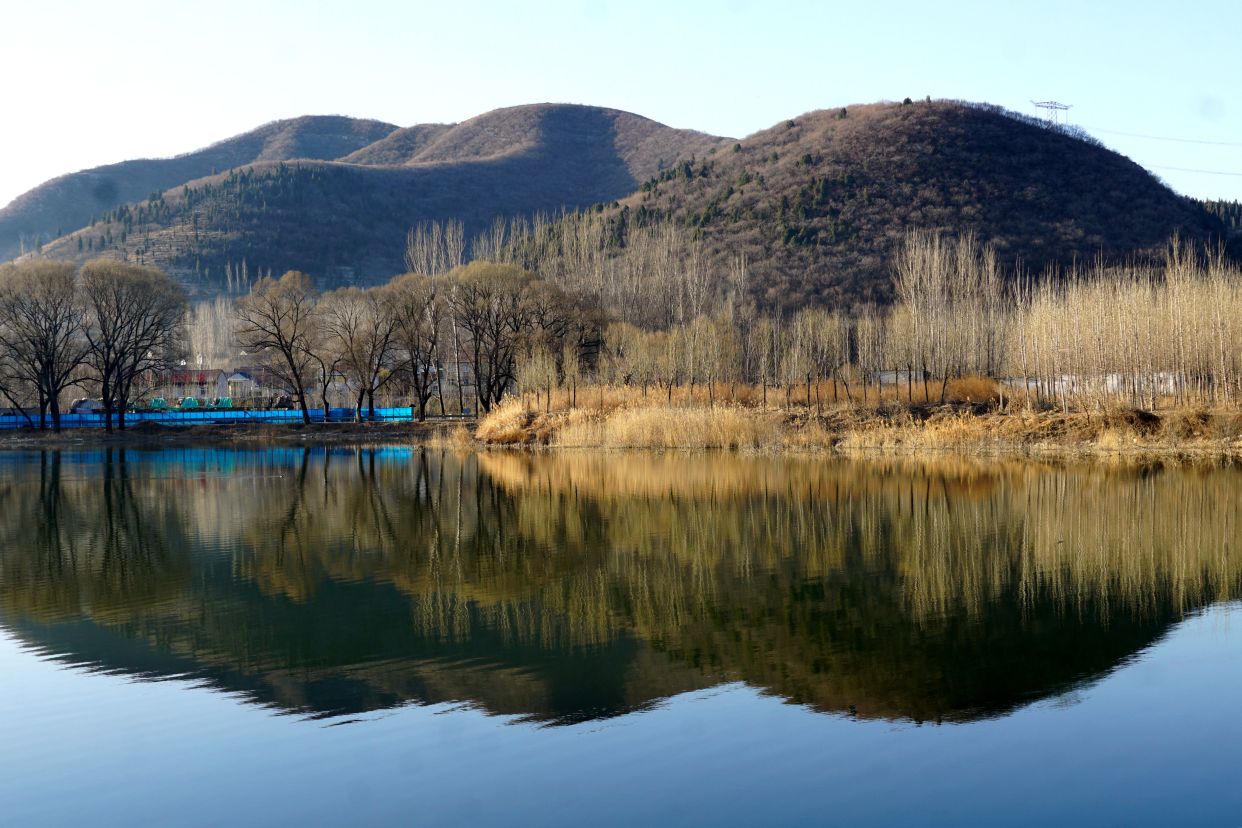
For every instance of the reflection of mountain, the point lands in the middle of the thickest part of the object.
(576, 586)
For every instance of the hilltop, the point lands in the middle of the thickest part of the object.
(70, 201)
(820, 203)
(346, 219)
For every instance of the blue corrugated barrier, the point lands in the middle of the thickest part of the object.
(207, 416)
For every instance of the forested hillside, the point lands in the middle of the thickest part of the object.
(346, 222)
(69, 202)
(1230, 215)
(820, 203)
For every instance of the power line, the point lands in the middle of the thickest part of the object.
(1166, 138)
(1192, 170)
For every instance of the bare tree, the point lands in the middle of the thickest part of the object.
(209, 331)
(42, 330)
(278, 320)
(432, 248)
(490, 245)
(571, 369)
(493, 305)
(418, 308)
(15, 387)
(324, 358)
(135, 323)
(360, 326)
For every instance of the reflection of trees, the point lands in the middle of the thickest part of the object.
(581, 584)
(76, 546)
(908, 589)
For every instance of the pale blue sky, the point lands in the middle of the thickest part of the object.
(87, 83)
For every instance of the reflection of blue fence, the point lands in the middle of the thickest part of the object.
(205, 416)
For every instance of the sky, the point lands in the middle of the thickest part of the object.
(90, 83)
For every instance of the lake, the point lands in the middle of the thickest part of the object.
(396, 635)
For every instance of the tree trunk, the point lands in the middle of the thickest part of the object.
(105, 389)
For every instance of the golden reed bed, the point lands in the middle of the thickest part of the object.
(625, 418)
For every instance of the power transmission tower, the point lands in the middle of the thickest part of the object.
(1054, 109)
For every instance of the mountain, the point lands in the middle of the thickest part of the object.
(71, 201)
(820, 203)
(346, 220)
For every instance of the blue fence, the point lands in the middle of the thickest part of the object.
(206, 416)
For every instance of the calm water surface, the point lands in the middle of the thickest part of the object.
(235, 637)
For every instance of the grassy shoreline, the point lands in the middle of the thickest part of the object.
(956, 427)
(962, 428)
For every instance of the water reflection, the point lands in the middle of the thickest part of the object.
(573, 586)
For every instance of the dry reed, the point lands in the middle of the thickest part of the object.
(620, 418)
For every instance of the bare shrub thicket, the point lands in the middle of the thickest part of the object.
(1089, 337)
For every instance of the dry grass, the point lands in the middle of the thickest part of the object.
(624, 418)
(666, 427)
(456, 438)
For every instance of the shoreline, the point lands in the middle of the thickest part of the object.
(891, 430)
(147, 435)
(950, 429)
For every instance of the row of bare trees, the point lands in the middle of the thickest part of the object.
(654, 275)
(471, 326)
(101, 328)
(1090, 337)
(652, 314)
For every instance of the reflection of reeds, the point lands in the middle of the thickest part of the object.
(962, 532)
